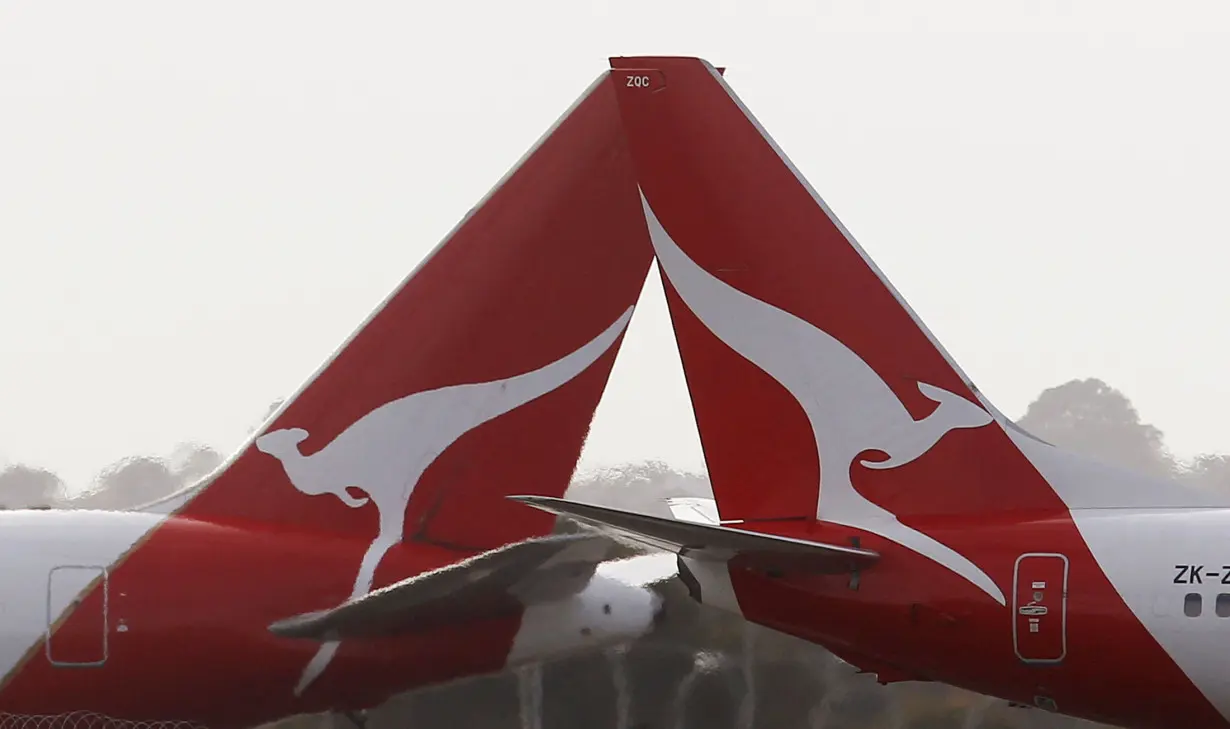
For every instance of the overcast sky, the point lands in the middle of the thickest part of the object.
(1046, 182)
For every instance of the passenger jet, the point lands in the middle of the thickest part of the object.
(361, 545)
(868, 496)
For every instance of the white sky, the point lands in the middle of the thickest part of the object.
(199, 202)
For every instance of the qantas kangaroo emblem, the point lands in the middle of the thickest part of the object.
(850, 408)
(385, 452)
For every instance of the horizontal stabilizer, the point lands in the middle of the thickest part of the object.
(709, 541)
(694, 509)
(495, 583)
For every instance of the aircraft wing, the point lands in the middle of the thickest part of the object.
(494, 583)
(710, 541)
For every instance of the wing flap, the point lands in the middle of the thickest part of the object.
(493, 583)
(710, 541)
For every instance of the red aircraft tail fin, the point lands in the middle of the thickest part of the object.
(817, 390)
(824, 403)
(801, 358)
(478, 376)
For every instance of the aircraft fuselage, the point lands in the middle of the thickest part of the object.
(145, 618)
(1127, 625)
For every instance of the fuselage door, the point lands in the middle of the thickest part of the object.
(77, 616)
(1040, 607)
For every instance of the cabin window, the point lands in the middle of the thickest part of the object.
(1223, 605)
(1192, 604)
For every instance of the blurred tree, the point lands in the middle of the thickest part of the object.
(23, 487)
(269, 411)
(642, 487)
(1209, 470)
(192, 461)
(1094, 419)
(130, 483)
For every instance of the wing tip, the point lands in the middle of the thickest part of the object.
(304, 625)
(536, 501)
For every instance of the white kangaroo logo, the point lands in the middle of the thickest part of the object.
(851, 410)
(385, 452)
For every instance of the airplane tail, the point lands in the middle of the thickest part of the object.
(477, 377)
(818, 392)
